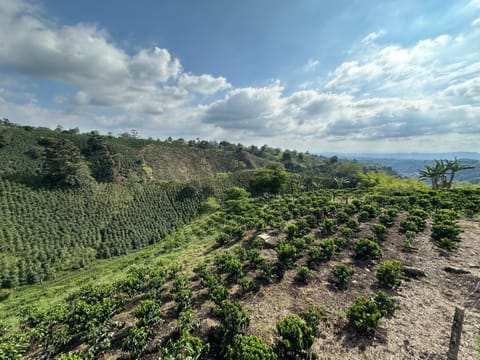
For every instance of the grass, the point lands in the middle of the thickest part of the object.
(183, 246)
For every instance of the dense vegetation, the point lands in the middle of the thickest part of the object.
(68, 198)
(320, 214)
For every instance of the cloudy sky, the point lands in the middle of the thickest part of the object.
(336, 76)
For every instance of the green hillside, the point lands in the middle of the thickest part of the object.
(128, 248)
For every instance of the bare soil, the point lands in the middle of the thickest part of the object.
(420, 329)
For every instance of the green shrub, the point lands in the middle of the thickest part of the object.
(296, 337)
(342, 217)
(230, 265)
(386, 305)
(446, 243)
(266, 273)
(380, 231)
(287, 254)
(366, 249)
(354, 225)
(247, 285)
(218, 293)
(340, 242)
(340, 274)
(447, 230)
(304, 274)
(148, 313)
(363, 216)
(346, 232)
(187, 321)
(250, 347)
(390, 273)
(364, 315)
(137, 340)
(186, 347)
(408, 225)
(233, 319)
(328, 226)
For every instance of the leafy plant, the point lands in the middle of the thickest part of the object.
(386, 304)
(296, 337)
(304, 274)
(340, 275)
(232, 317)
(390, 273)
(366, 249)
(249, 347)
(380, 231)
(364, 315)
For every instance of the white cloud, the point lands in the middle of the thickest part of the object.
(151, 81)
(311, 64)
(204, 84)
(469, 89)
(413, 71)
(370, 38)
(476, 22)
(378, 97)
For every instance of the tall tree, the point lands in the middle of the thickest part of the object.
(63, 164)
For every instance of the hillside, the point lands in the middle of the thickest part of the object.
(237, 284)
(126, 248)
(68, 199)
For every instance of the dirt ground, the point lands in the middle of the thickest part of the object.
(420, 329)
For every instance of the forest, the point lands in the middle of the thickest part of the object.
(233, 252)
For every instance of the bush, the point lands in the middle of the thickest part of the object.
(304, 274)
(390, 273)
(340, 242)
(386, 305)
(296, 337)
(249, 348)
(346, 232)
(318, 255)
(366, 249)
(364, 315)
(232, 318)
(137, 340)
(340, 275)
(328, 226)
(247, 285)
(354, 225)
(287, 254)
(186, 347)
(147, 313)
(267, 273)
(380, 231)
(230, 265)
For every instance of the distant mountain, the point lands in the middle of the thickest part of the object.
(407, 156)
(408, 164)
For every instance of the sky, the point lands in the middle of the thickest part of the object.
(323, 76)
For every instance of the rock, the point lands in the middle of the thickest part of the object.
(411, 271)
(455, 270)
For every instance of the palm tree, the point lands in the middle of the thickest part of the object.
(438, 173)
(434, 173)
(455, 166)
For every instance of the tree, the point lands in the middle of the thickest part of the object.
(63, 164)
(101, 160)
(455, 166)
(443, 173)
(434, 173)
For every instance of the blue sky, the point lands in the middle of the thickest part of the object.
(343, 76)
